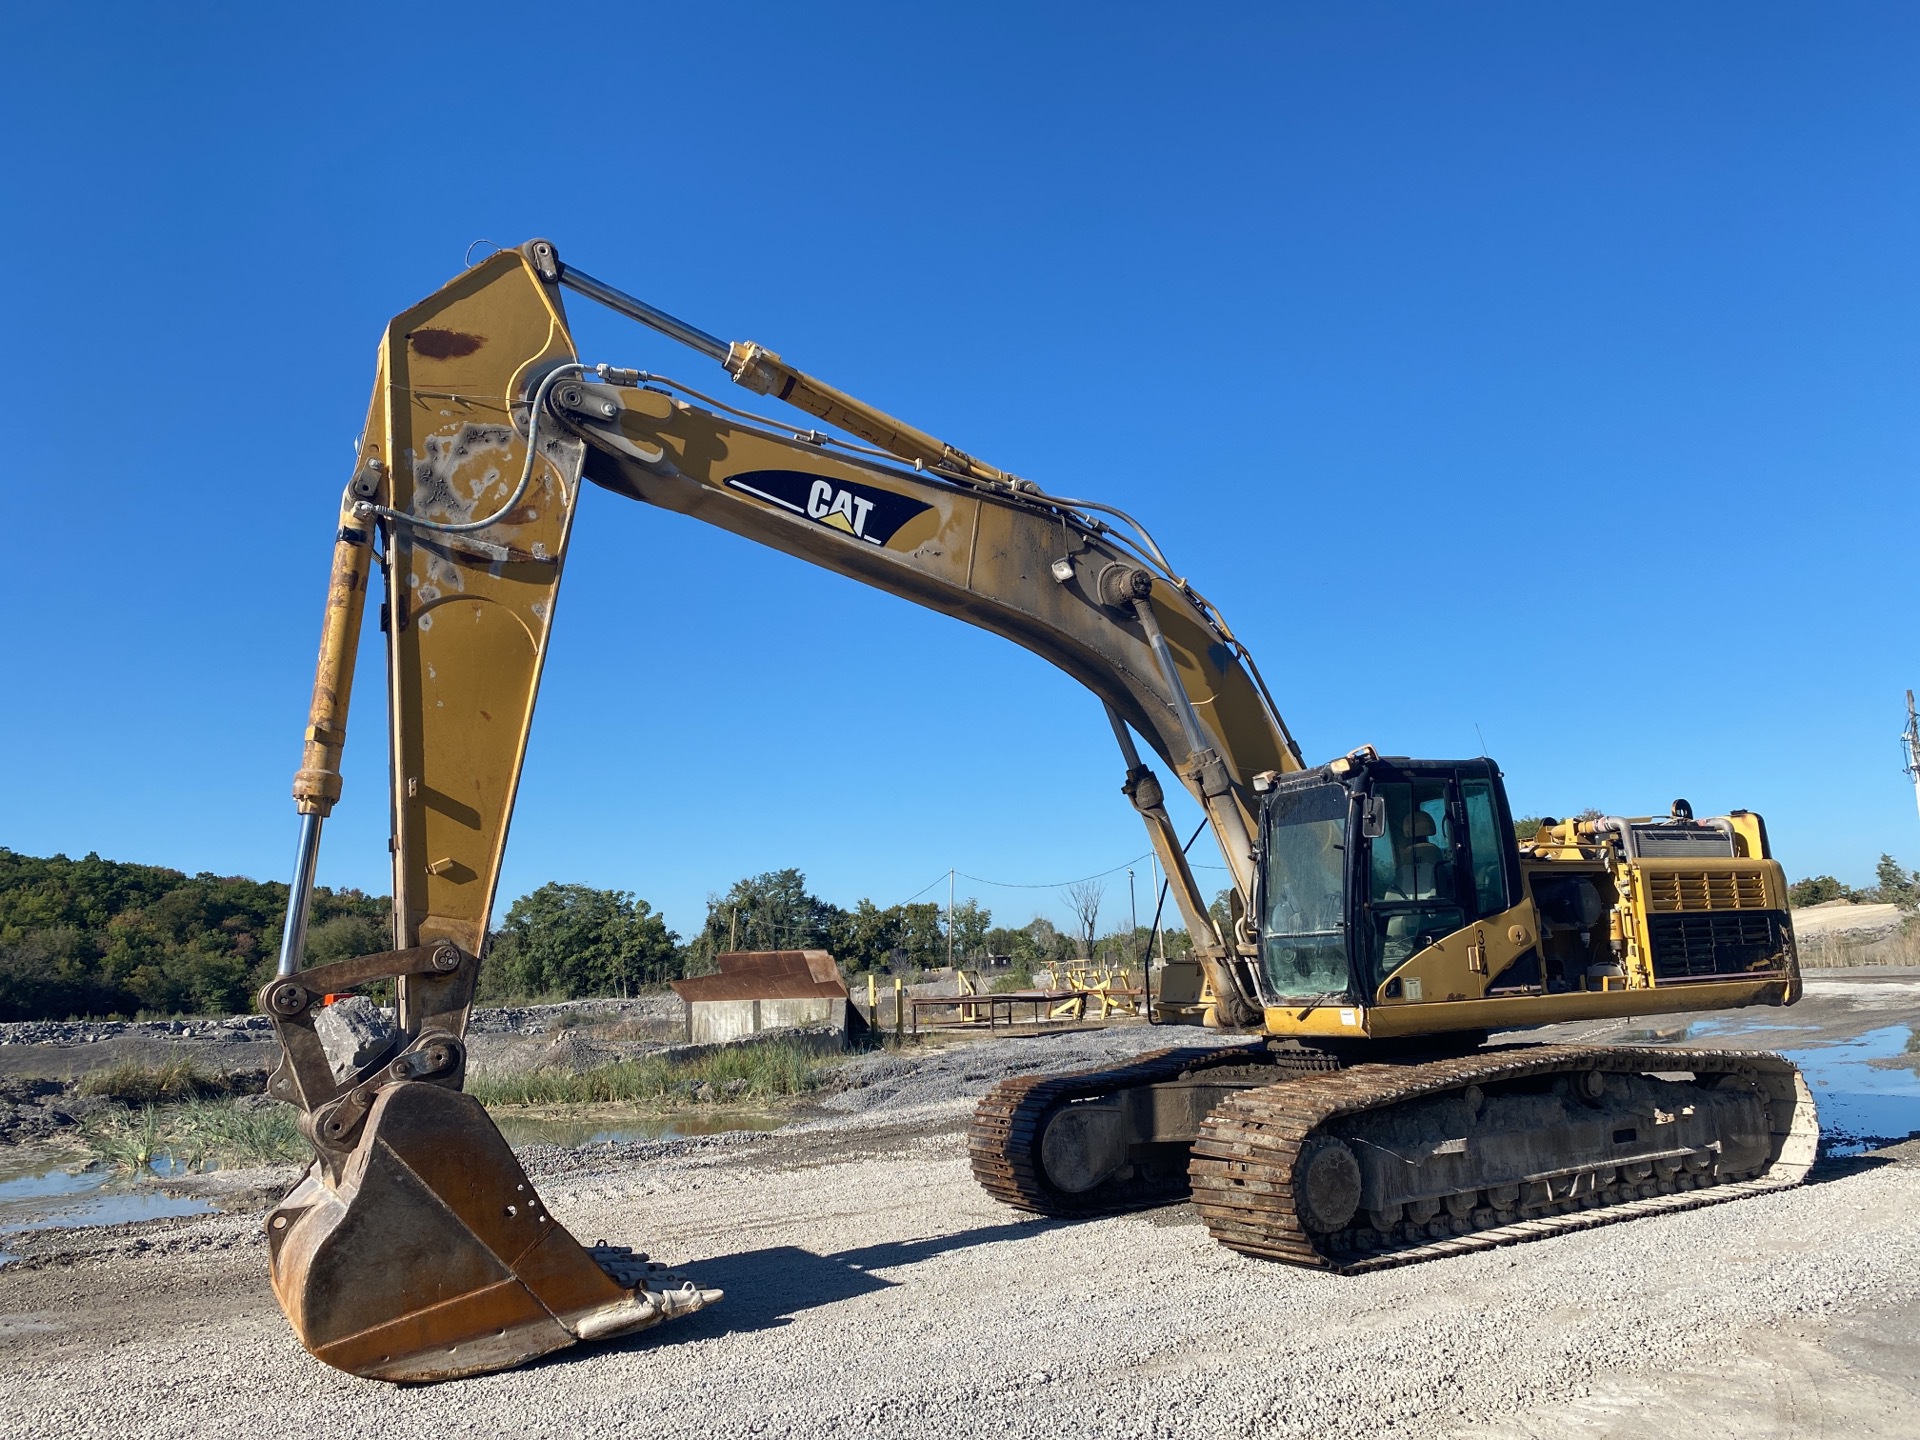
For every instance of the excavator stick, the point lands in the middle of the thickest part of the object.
(416, 1248)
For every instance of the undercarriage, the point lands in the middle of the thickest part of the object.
(1297, 1154)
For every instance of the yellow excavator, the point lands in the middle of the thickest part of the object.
(1384, 921)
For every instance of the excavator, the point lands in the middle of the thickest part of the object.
(1386, 930)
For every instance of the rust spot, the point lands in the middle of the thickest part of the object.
(444, 344)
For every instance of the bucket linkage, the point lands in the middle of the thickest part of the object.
(416, 1248)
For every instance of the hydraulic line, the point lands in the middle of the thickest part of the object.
(467, 527)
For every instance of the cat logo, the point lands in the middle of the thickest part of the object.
(862, 511)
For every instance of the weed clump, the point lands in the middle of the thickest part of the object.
(198, 1134)
(765, 1070)
(132, 1083)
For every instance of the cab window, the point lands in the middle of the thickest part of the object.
(1412, 886)
(1485, 843)
(1413, 860)
(1304, 950)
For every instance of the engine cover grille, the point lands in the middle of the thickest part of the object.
(1695, 946)
(1694, 890)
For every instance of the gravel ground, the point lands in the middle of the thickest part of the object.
(872, 1286)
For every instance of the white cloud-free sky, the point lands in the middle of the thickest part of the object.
(1541, 374)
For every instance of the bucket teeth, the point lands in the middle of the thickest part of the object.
(659, 1296)
(634, 1270)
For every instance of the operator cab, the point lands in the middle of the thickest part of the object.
(1367, 862)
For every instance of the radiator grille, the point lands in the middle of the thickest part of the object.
(1692, 947)
(1692, 890)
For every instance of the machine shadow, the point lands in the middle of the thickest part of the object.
(1840, 1167)
(767, 1288)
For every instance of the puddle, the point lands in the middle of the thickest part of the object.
(614, 1127)
(1862, 1104)
(64, 1199)
(1728, 1025)
(1663, 1035)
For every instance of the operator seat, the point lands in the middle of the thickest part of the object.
(1420, 858)
(1418, 875)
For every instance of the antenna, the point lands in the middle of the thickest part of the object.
(1910, 746)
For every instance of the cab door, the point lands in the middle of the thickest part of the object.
(1413, 869)
(1444, 860)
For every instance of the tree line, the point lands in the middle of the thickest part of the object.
(106, 938)
(101, 937)
(574, 940)
(1893, 884)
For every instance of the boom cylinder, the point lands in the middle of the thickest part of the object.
(316, 785)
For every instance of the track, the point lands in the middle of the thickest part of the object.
(1246, 1162)
(1003, 1142)
(1242, 1170)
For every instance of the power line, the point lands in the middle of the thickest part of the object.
(1055, 885)
(918, 893)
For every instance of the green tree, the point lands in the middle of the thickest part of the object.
(1053, 945)
(347, 937)
(1817, 890)
(769, 911)
(574, 940)
(864, 937)
(923, 940)
(971, 921)
(1897, 885)
(1134, 949)
(1222, 912)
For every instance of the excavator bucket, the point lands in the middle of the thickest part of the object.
(430, 1256)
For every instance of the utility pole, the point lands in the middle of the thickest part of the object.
(950, 878)
(1910, 743)
(1133, 917)
(1160, 931)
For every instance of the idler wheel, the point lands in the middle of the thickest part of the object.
(1326, 1185)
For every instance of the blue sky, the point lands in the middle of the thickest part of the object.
(1541, 374)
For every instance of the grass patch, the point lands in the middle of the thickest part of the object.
(195, 1135)
(132, 1083)
(1882, 947)
(766, 1070)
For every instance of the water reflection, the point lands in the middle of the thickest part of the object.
(1863, 1104)
(60, 1198)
